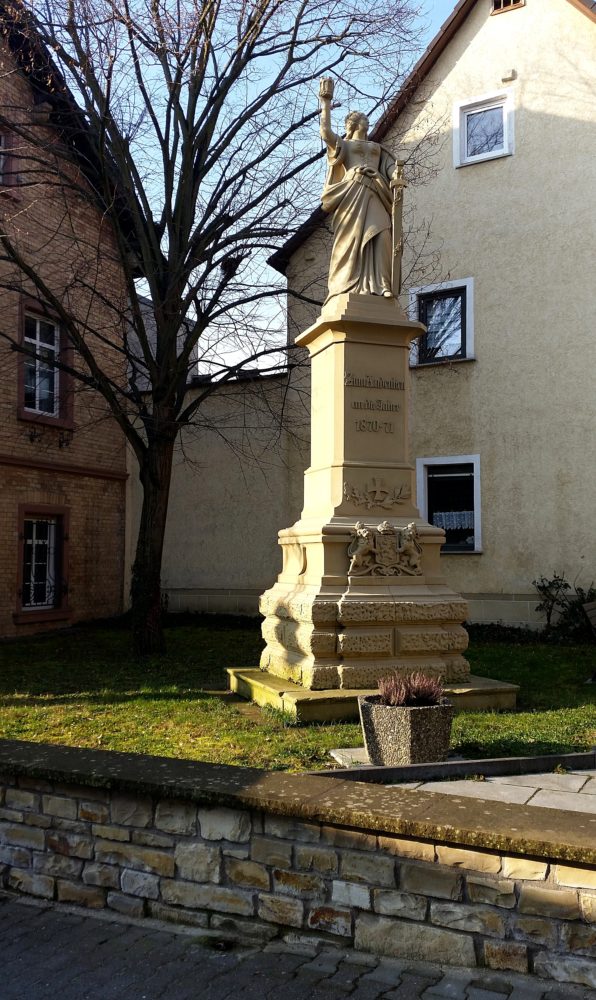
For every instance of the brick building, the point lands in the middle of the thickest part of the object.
(62, 456)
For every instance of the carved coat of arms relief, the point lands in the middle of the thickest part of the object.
(385, 551)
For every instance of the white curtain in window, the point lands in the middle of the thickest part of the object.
(454, 520)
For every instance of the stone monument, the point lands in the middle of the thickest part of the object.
(361, 591)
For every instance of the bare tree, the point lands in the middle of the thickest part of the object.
(189, 125)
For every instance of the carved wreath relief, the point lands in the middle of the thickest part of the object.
(385, 551)
(377, 494)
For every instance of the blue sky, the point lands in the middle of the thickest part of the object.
(436, 11)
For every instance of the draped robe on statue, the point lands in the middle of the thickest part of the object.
(358, 194)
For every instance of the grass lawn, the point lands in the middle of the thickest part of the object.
(83, 688)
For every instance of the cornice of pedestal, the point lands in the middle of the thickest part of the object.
(357, 314)
(341, 527)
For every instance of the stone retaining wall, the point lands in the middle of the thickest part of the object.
(190, 858)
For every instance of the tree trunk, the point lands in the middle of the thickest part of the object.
(155, 474)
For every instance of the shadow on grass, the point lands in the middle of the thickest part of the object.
(549, 677)
(96, 660)
(113, 698)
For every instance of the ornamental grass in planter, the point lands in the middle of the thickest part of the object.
(407, 722)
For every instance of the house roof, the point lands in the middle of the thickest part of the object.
(281, 258)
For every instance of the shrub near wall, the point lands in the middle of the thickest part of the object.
(174, 841)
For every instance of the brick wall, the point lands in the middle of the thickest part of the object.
(261, 874)
(69, 243)
(96, 542)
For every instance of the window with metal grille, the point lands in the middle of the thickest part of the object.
(42, 544)
(501, 5)
(42, 340)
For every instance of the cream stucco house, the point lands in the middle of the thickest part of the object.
(497, 125)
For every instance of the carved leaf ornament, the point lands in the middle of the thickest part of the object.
(377, 494)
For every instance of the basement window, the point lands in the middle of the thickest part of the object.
(42, 586)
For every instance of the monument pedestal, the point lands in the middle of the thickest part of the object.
(361, 591)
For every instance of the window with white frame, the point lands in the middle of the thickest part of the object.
(447, 311)
(449, 497)
(483, 128)
(42, 343)
(42, 538)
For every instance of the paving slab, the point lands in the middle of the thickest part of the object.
(565, 801)
(351, 757)
(481, 790)
(561, 782)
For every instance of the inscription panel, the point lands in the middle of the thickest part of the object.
(375, 426)
(375, 407)
(373, 382)
(354, 380)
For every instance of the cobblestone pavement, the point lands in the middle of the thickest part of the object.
(51, 952)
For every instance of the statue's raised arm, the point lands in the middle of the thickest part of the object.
(325, 98)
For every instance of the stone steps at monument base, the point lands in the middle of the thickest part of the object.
(335, 705)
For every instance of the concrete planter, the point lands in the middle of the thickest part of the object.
(405, 734)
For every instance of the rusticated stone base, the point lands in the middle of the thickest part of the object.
(352, 640)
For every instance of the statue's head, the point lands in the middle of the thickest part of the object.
(356, 125)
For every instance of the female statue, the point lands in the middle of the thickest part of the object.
(358, 191)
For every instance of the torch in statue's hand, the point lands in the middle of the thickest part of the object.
(326, 88)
